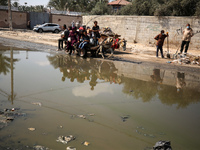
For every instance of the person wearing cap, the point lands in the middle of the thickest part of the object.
(160, 41)
(64, 37)
(95, 30)
(187, 34)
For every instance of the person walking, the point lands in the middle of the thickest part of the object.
(64, 36)
(160, 40)
(187, 34)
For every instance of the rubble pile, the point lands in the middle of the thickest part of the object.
(186, 59)
(8, 115)
(107, 31)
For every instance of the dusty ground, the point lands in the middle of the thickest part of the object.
(135, 52)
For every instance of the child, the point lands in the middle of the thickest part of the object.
(85, 40)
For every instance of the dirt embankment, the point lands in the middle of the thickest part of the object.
(135, 52)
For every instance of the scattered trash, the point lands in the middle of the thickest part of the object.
(124, 118)
(31, 129)
(82, 116)
(162, 145)
(39, 147)
(37, 103)
(12, 109)
(169, 62)
(144, 132)
(8, 115)
(187, 59)
(65, 139)
(86, 143)
(70, 148)
(10, 118)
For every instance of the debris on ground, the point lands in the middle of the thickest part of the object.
(39, 147)
(65, 139)
(86, 143)
(186, 59)
(70, 148)
(8, 115)
(37, 103)
(124, 118)
(162, 145)
(31, 129)
(83, 116)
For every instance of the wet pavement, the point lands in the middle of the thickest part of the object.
(103, 104)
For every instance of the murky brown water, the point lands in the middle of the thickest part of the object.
(125, 106)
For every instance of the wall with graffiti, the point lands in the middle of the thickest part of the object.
(143, 29)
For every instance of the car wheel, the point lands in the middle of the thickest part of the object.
(56, 31)
(40, 30)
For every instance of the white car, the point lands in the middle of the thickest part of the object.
(47, 27)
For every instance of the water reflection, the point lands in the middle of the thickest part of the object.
(164, 84)
(6, 66)
(180, 81)
(81, 70)
(156, 76)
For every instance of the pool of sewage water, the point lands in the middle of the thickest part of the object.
(105, 105)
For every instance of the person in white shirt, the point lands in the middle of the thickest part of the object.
(187, 34)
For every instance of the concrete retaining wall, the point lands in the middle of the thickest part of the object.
(143, 29)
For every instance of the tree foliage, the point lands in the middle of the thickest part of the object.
(162, 8)
(101, 8)
(4, 2)
(73, 5)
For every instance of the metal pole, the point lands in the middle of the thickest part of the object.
(12, 79)
(10, 15)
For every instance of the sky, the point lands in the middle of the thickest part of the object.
(32, 2)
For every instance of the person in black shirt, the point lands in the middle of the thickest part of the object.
(85, 40)
(64, 37)
(95, 30)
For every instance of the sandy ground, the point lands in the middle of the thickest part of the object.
(136, 52)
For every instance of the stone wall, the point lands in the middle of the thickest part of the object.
(143, 29)
(19, 19)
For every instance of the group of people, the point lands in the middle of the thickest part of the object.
(187, 34)
(80, 37)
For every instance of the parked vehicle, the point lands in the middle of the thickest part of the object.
(47, 27)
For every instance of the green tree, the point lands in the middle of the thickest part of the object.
(60, 4)
(198, 9)
(126, 10)
(15, 4)
(101, 8)
(4, 2)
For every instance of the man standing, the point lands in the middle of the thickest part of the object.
(160, 40)
(95, 30)
(64, 36)
(187, 34)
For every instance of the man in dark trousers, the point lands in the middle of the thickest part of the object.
(95, 30)
(64, 37)
(187, 34)
(160, 40)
